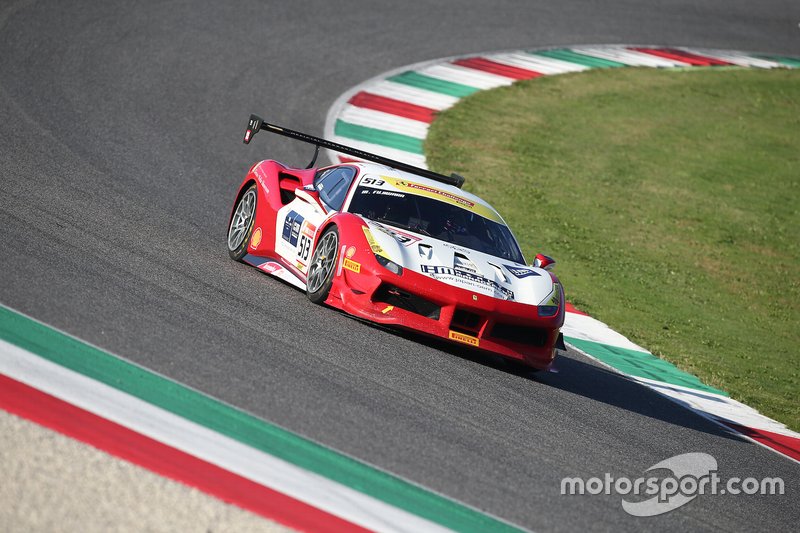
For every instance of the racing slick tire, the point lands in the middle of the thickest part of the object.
(323, 265)
(242, 221)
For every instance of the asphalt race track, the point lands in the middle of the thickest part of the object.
(120, 135)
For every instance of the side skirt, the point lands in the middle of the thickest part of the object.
(276, 269)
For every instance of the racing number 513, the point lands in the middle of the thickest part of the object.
(305, 247)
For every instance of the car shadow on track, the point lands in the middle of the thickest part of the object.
(577, 375)
(602, 385)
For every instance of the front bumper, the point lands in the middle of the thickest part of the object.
(417, 302)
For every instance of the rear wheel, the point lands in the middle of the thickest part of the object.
(323, 263)
(241, 228)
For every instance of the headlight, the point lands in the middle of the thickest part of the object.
(391, 266)
(549, 306)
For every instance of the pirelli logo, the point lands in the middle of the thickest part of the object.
(466, 339)
(349, 264)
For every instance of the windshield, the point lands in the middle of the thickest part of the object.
(436, 219)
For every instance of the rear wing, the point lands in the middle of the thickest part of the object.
(257, 124)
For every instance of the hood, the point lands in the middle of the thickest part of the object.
(461, 267)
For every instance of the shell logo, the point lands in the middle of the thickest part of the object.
(351, 252)
(255, 240)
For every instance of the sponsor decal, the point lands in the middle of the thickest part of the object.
(521, 272)
(464, 264)
(387, 309)
(402, 184)
(455, 247)
(349, 264)
(351, 252)
(260, 175)
(309, 229)
(300, 266)
(255, 240)
(403, 238)
(291, 227)
(436, 271)
(466, 339)
(443, 195)
(270, 267)
(390, 193)
(373, 244)
(480, 280)
(381, 192)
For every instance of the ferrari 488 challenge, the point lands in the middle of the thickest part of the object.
(397, 245)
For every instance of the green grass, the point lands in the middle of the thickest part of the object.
(671, 200)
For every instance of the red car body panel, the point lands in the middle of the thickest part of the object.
(364, 288)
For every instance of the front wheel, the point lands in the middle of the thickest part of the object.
(323, 263)
(241, 228)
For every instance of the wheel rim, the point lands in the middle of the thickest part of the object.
(242, 219)
(322, 261)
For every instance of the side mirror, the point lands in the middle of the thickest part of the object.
(544, 261)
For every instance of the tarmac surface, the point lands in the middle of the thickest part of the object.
(120, 129)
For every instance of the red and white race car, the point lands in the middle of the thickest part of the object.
(397, 245)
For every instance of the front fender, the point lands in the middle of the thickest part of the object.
(356, 264)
